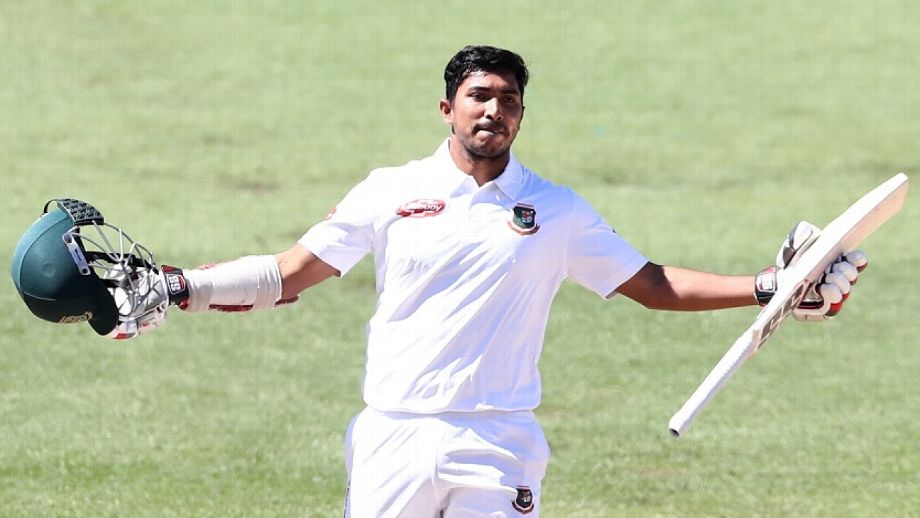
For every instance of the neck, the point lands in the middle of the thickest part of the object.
(483, 169)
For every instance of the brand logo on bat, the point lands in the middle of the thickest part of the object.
(421, 208)
(778, 318)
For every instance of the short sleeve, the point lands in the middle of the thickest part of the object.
(597, 257)
(347, 234)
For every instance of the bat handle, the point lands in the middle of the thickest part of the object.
(742, 349)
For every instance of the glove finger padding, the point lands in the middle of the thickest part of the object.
(846, 269)
(826, 298)
(132, 327)
(858, 259)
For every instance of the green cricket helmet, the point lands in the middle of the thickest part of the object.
(68, 263)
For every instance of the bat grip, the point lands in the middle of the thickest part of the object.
(742, 349)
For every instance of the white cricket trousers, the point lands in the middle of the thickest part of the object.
(448, 465)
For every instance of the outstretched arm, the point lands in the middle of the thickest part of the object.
(681, 289)
(244, 284)
(254, 282)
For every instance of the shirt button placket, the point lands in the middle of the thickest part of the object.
(479, 213)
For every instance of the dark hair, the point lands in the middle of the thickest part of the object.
(483, 58)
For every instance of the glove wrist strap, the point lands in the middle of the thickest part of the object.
(176, 285)
(765, 285)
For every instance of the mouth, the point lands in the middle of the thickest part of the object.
(491, 129)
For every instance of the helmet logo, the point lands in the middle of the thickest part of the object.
(76, 319)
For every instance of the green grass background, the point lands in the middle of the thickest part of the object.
(701, 130)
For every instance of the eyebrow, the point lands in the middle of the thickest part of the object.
(509, 90)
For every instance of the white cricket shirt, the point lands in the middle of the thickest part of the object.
(465, 278)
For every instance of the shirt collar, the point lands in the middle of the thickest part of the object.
(510, 181)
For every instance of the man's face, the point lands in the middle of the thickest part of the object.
(486, 113)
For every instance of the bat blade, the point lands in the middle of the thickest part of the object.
(840, 236)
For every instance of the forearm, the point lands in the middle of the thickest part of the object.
(691, 290)
(681, 289)
(254, 282)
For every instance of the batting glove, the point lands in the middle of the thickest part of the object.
(142, 297)
(825, 298)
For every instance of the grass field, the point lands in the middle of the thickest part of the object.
(701, 130)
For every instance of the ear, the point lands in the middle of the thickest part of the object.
(447, 111)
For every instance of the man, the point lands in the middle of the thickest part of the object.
(469, 248)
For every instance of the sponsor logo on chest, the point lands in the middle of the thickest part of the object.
(421, 208)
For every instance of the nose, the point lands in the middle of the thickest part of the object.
(494, 110)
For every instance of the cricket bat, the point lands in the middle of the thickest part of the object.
(840, 236)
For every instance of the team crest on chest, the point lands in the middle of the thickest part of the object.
(524, 501)
(524, 219)
(421, 208)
